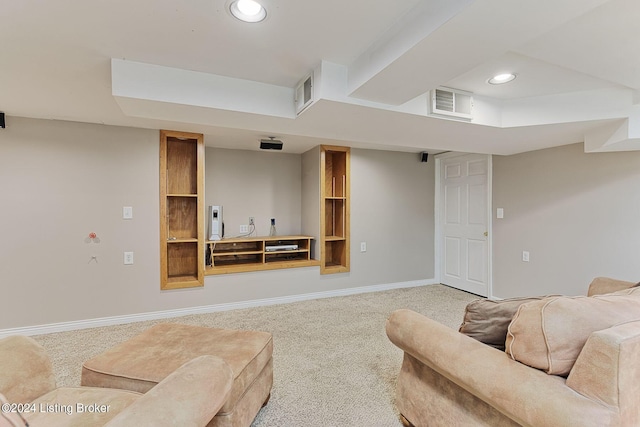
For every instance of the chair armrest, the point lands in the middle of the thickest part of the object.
(607, 369)
(189, 397)
(528, 396)
(605, 285)
(25, 369)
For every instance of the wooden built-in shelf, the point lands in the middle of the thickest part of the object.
(181, 210)
(334, 209)
(239, 255)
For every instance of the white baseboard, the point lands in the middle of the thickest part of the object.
(165, 314)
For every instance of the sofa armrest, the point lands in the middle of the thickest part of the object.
(190, 397)
(25, 369)
(607, 369)
(605, 285)
(524, 394)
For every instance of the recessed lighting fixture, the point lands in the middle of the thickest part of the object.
(248, 10)
(502, 78)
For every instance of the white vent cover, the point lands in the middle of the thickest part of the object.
(451, 103)
(304, 94)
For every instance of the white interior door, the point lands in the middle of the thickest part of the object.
(464, 222)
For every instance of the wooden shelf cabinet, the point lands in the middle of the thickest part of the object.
(181, 209)
(254, 254)
(334, 206)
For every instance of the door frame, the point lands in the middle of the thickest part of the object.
(438, 219)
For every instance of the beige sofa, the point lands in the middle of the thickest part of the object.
(450, 379)
(189, 397)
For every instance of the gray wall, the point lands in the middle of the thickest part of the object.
(577, 214)
(311, 198)
(261, 184)
(392, 209)
(59, 181)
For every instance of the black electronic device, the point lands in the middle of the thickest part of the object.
(270, 144)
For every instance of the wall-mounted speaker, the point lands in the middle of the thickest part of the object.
(2, 120)
(424, 157)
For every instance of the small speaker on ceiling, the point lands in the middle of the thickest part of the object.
(424, 157)
(2, 121)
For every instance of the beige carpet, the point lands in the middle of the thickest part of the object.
(333, 364)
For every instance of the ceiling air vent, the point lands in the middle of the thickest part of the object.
(451, 103)
(304, 94)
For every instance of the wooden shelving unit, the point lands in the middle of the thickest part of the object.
(181, 210)
(334, 207)
(253, 254)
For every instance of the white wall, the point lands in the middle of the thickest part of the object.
(59, 181)
(577, 214)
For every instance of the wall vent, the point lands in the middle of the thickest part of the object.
(304, 94)
(451, 103)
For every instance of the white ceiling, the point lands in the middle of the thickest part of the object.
(191, 66)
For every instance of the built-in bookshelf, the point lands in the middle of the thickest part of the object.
(239, 255)
(334, 207)
(181, 209)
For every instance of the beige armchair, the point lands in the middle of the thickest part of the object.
(448, 378)
(190, 396)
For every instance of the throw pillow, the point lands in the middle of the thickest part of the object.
(487, 320)
(549, 334)
(9, 417)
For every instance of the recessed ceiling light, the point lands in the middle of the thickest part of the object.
(502, 78)
(248, 10)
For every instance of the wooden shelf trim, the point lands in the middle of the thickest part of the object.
(238, 252)
(181, 240)
(275, 265)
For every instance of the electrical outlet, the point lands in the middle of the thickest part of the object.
(244, 228)
(252, 221)
(128, 258)
(525, 256)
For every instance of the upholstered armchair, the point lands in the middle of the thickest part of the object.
(567, 361)
(190, 396)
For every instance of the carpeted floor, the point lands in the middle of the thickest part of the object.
(333, 364)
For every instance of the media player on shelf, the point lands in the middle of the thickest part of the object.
(277, 248)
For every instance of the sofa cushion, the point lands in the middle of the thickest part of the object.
(9, 417)
(26, 371)
(79, 406)
(606, 285)
(549, 334)
(487, 320)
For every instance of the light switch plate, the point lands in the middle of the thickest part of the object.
(127, 212)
